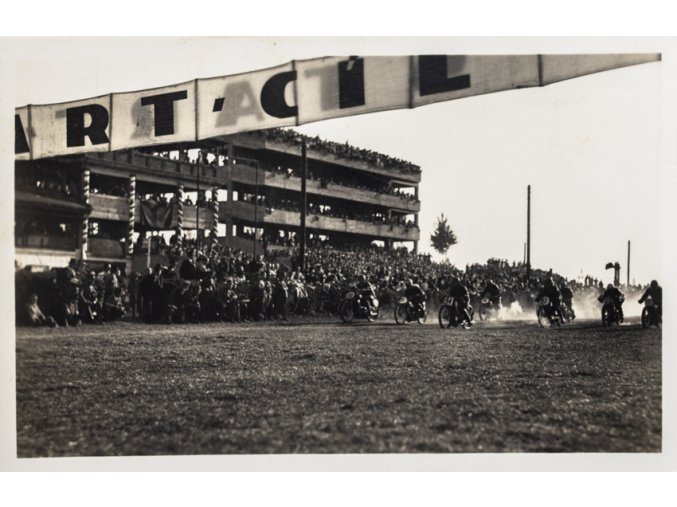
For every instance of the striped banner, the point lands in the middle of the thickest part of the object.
(131, 201)
(291, 94)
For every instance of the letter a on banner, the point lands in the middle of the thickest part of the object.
(22, 147)
(255, 100)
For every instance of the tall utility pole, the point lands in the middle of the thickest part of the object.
(304, 204)
(528, 232)
(627, 282)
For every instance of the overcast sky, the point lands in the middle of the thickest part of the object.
(589, 147)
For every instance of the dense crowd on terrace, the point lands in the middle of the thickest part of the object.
(219, 284)
(326, 181)
(345, 150)
(270, 204)
(49, 182)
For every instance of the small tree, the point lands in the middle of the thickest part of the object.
(442, 237)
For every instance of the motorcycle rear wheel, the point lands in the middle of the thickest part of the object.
(646, 318)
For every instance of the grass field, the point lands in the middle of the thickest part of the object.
(134, 389)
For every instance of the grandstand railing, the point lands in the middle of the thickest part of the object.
(246, 174)
(291, 219)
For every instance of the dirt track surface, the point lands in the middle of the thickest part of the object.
(135, 389)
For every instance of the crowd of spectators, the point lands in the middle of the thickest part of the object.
(219, 283)
(269, 204)
(339, 150)
(326, 181)
(49, 182)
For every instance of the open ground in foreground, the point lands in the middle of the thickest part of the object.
(135, 389)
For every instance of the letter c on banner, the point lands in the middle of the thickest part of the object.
(272, 95)
(432, 76)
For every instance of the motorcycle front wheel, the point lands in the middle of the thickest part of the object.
(423, 318)
(347, 312)
(484, 311)
(401, 313)
(646, 318)
(444, 316)
(542, 319)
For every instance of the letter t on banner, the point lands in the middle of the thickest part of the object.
(151, 117)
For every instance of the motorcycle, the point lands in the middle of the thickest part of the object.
(355, 304)
(488, 309)
(451, 315)
(651, 314)
(610, 313)
(406, 311)
(568, 313)
(547, 313)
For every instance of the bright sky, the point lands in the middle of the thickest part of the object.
(589, 147)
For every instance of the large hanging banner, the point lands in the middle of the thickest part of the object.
(292, 94)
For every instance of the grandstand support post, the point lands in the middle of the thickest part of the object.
(304, 204)
(528, 232)
(197, 206)
(131, 202)
(150, 240)
(256, 204)
(627, 282)
(179, 216)
(229, 162)
(215, 217)
(85, 220)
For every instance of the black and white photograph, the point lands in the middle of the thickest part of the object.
(338, 246)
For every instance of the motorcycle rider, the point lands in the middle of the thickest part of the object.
(460, 293)
(493, 292)
(551, 291)
(415, 295)
(655, 292)
(567, 298)
(366, 291)
(617, 297)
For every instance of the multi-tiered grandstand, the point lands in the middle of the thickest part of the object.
(244, 191)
